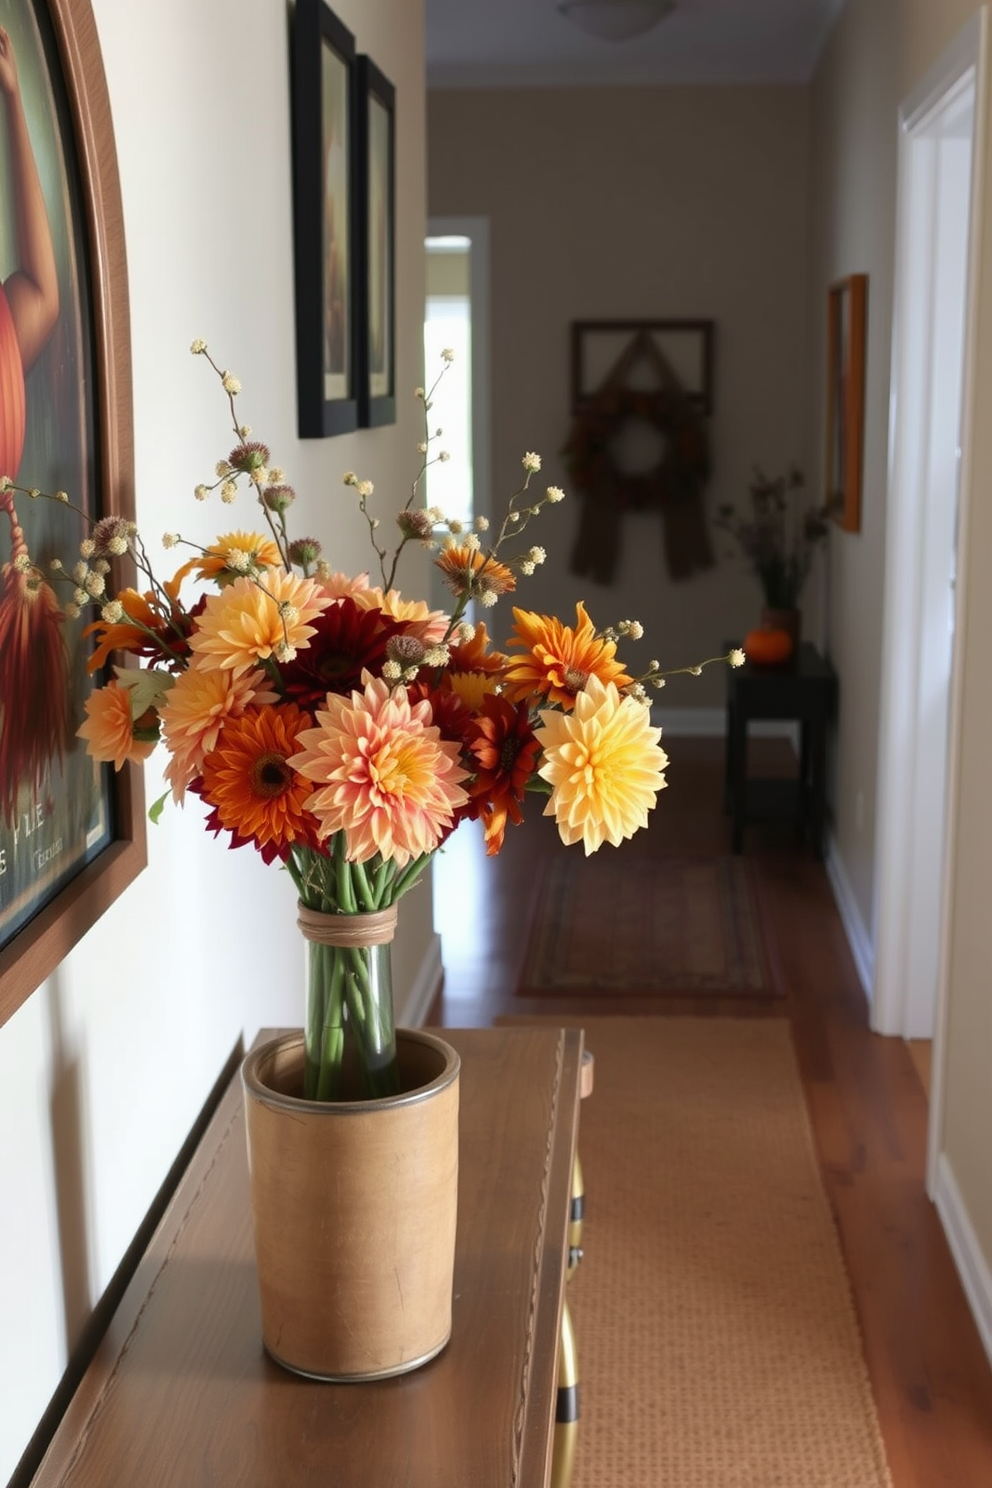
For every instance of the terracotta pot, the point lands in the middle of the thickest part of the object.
(354, 1207)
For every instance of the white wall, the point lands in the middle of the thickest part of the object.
(108, 1064)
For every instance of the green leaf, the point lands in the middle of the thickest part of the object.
(155, 811)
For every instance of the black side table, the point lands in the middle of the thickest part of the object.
(804, 691)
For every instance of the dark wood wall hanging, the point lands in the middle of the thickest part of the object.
(676, 405)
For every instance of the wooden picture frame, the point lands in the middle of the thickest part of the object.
(687, 346)
(847, 307)
(375, 217)
(324, 221)
(72, 834)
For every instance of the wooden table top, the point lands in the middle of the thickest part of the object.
(182, 1395)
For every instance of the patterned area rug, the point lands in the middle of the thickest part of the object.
(646, 926)
(717, 1338)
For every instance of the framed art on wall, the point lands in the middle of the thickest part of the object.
(324, 221)
(376, 222)
(71, 832)
(847, 303)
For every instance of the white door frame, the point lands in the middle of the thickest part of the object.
(966, 55)
(477, 229)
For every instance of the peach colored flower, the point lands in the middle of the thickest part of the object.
(109, 729)
(195, 710)
(344, 586)
(248, 622)
(557, 660)
(604, 764)
(387, 779)
(429, 626)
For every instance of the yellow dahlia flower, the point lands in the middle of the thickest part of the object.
(604, 765)
(249, 621)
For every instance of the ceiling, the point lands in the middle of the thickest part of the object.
(521, 43)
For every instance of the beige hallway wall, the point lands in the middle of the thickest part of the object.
(635, 203)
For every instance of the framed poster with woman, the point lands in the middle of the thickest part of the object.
(71, 832)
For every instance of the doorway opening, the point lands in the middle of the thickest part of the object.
(928, 435)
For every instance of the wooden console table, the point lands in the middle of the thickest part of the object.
(804, 691)
(182, 1395)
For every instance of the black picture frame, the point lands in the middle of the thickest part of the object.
(325, 246)
(375, 217)
(72, 835)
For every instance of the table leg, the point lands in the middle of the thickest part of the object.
(736, 774)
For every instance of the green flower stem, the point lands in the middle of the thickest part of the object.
(324, 1038)
(350, 1020)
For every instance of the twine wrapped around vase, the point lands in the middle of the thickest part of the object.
(378, 928)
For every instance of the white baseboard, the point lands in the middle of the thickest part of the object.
(973, 1268)
(854, 926)
(426, 987)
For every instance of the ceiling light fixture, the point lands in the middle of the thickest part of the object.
(615, 20)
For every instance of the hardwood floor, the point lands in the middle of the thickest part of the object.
(931, 1378)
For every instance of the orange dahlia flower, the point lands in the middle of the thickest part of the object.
(257, 795)
(387, 779)
(559, 660)
(213, 563)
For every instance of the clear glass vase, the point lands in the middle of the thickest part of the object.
(349, 1035)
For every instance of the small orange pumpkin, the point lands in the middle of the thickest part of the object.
(768, 646)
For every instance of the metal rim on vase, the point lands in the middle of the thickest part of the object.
(255, 1087)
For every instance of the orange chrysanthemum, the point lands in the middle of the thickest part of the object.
(153, 626)
(214, 562)
(469, 571)
(604, 764)
(387, 779)
(248, 622)
(558, 661)
(256, 794)
(194, 712)
(474, 655)
(109, 729)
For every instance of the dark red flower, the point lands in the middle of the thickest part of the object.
(504, 752)
(347, 640)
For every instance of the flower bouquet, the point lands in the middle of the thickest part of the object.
(344, 730)
(780, 538)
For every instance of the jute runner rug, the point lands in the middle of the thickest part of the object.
(644, 926)
(718, 1345)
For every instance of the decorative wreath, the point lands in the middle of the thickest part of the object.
(680, 474)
